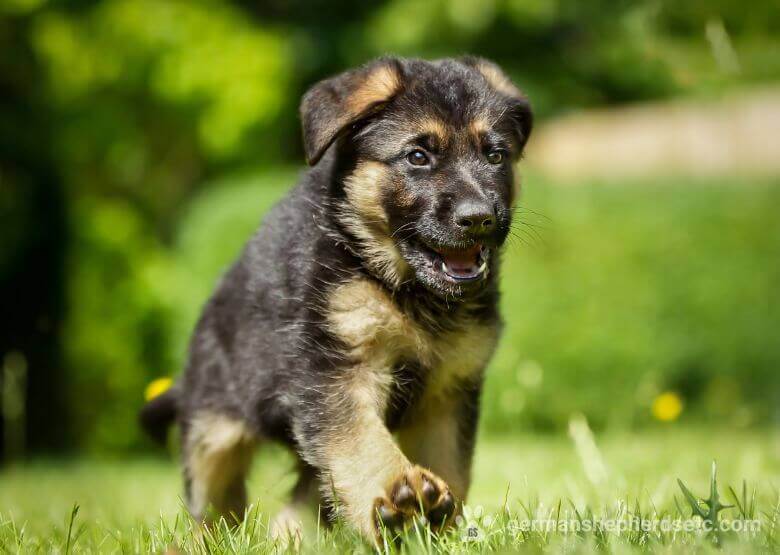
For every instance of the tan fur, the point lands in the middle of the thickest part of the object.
(218, 454)
(432, 439)
(377, 333)
(460, 354)
(478, 127)
(363, 190)
(381, 84)
(435, 127)
(367, 220)
(498, 80)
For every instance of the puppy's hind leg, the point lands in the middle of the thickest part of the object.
(217, 455)
(287, 524)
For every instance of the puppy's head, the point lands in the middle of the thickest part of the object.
(428, 149)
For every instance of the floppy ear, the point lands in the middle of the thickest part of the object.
(520, 108)
(334, 105)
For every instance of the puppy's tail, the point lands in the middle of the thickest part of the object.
(159, 413)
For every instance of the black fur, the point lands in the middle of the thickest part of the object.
(158, 414)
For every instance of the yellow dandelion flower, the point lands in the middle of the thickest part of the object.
(157, 387)
(667, 406)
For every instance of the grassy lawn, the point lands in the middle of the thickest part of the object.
(134, 505)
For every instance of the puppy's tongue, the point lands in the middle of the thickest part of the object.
(462, 263)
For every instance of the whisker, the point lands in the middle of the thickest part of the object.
(529, 230)
(403, 228)
(518, 207)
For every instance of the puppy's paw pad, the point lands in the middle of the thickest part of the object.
(417, 492)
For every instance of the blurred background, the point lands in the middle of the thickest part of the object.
(141, 142)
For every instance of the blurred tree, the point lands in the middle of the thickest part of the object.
(33, 241)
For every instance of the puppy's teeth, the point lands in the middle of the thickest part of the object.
(444, 267)
(483, 267)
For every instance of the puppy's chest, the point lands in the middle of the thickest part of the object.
(412, 359)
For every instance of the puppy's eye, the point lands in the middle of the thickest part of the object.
(495, 156)
(417, 158)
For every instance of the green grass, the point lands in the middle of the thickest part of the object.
(134, 505)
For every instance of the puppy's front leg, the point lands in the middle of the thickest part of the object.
(440, 436)
(365, 474)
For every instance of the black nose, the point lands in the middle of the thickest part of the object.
(474, 216)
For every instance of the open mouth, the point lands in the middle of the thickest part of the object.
(463, 265)
(449, 271)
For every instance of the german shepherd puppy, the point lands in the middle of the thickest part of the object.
(365, 305)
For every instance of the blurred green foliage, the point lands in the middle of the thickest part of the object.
(619, 294)
(141, 108)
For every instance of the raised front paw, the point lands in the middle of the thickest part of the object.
(417, 491)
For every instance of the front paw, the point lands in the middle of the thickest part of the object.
(415, 492)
